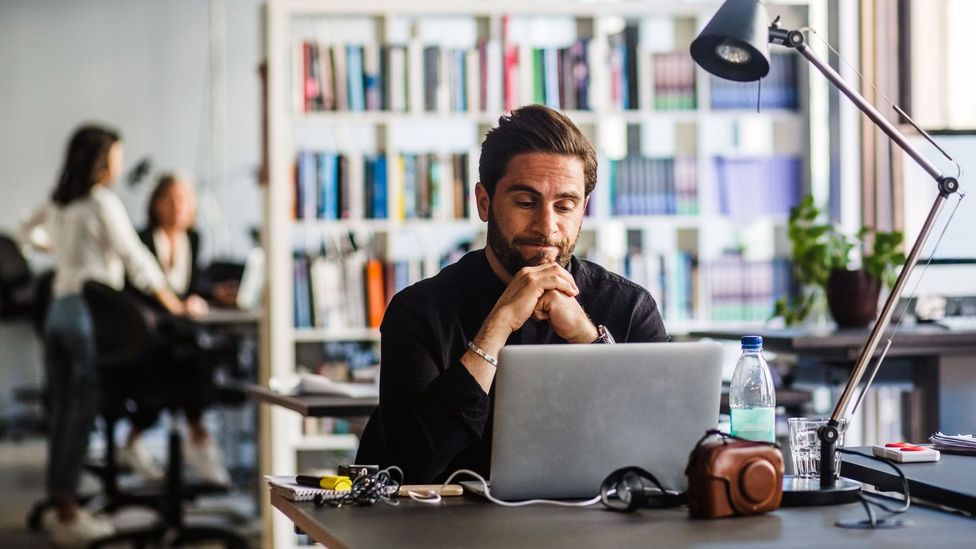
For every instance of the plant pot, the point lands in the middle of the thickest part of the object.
(852, 297)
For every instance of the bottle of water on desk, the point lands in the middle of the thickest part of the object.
(752, 398)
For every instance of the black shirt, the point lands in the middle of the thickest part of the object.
(433, 417)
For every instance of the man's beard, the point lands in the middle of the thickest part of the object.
(509, 256)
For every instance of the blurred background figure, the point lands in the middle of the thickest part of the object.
(171, 237)
(90, 238)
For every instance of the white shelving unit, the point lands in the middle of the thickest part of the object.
(699, 132)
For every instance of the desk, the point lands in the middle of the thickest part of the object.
(943, 370)
(950, 481)
(317, 405)
(228, 317)
(466, 522)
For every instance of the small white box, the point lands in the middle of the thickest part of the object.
(908, 453)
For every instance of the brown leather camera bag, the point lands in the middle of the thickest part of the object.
(729, 476)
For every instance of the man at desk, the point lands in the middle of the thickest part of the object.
(440, 336)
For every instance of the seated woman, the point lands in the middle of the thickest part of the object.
(171, 238)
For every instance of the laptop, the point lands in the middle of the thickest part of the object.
(566, 416)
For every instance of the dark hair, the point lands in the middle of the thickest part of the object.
(163, 185)
(84, 163)
(528, 129)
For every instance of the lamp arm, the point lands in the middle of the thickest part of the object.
(947, 186)
(796, 40)
(829, 434)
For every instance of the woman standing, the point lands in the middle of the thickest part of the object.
(90, 238)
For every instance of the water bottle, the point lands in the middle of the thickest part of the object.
(752, 398)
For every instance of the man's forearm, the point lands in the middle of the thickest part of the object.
(490, 340)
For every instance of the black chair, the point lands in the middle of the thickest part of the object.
(133, 345)
(20, 291)
(16, 289)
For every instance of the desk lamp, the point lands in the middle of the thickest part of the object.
(733, 45)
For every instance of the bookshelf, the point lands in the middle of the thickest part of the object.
(376, 110)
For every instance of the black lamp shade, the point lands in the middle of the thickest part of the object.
(738, 29)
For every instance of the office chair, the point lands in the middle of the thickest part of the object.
(15, 280)
(19, 293)
(131, 345)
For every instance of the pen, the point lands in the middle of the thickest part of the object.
(329, 482)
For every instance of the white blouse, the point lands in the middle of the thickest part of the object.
(93, 239)
(176, 260)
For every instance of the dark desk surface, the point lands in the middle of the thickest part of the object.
(908, 341)
(225, 316)
(317, 405)
(465, 522)
(950, 481)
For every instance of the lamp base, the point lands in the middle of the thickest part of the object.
(804, 492)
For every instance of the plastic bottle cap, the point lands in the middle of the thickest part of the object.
(751, 342)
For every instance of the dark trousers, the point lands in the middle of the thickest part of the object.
(72, 386)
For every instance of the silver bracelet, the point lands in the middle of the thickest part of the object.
(480, 352)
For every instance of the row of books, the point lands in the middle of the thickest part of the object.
(352, 289)
(742, 290)
(332, 186)
(343, 361)
(556, 77)
(338, 293)
(758, 185)
(674, 81)
(623, 69)
(339, 77)
(670, 278)
(316, 426)
(737, 290)
(372, 77)
(493, 74)
(778, 90)
(654, 186)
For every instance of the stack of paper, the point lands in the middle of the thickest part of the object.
(957, 444)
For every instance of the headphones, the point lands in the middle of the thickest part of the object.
(629, 488)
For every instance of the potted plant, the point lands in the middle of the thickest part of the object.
(823, 262)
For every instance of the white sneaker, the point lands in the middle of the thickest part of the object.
(136, 457)
(204, 459)
(84, 529)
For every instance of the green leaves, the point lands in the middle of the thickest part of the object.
(819, 248)
(886, 258)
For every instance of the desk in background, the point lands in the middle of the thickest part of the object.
(951, 481)
(943, 366)
(228, 317)
(467, 522)
(317, 405)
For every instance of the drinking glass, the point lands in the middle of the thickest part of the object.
(805, 445)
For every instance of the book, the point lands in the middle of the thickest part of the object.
(375, 290)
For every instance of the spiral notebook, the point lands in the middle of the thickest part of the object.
(286, 487)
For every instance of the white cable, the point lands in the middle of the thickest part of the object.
(429, 496)
(436, 498)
